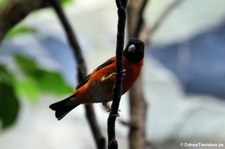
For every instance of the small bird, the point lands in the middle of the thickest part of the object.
(97, 87)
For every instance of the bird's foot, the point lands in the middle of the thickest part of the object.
(124, 72)
(106, 106)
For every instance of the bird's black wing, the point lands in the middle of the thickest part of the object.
(85, 80)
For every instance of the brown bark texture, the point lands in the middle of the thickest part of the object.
(13, 11)
(138, 104)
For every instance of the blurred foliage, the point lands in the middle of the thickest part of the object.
(30, 82)
(1, 2)
(21, 30)
(67, 2)
(9, 103)
(37, 80)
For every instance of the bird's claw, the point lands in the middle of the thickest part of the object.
(112, 76)
(107, 107)
(124, 72)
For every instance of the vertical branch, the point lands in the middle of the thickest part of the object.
(138, 113)
(135, 17)
(121, 5)
(82, 72)
(138, 104)
(140, 21)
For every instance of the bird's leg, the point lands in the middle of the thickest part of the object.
(106, 106)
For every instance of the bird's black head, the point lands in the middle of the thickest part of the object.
(134, 50)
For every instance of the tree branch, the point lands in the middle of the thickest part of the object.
(150, 31)
(138, 113)
(13, 11)
(140, 21)
(82, 72)
(138, 104)
(121, 5)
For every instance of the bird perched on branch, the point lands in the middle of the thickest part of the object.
(97, 87)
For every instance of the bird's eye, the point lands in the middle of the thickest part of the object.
(132, 49)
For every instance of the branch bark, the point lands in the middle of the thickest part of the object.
(82, 72)
(138, 104)
(14, 11)
(121, 5)
(138, 113)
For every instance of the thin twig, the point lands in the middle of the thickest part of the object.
(121, 5)
(140, 21)
(81, 66)
(163, 17)
(147, 32)
(82, 72)
(128, 124)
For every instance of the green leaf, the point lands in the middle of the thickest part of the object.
(1, 2)
(27, 65)
(37, 80)
(21, 30)
(9, 105)
(53, 82)
(28, 87)
(67, 2)
(5, 75)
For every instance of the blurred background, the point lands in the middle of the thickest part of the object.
(184, 75)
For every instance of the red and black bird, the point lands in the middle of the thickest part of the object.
(97, 87)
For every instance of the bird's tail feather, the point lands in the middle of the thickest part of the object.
(63, 107)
